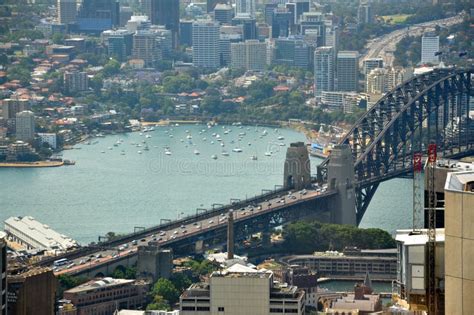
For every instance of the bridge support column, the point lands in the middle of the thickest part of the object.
(297, 172)
(266, 238)
(341, 179)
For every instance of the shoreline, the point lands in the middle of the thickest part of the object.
(31, 164)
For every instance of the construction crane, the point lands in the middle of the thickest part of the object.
(418, 191)
(431, 245)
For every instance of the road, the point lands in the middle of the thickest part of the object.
(385, 45)
(168, 236)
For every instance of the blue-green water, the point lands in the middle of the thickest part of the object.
(114, 192)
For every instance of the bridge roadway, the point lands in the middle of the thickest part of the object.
(167, 237)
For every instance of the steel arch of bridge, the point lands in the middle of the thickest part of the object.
(430, 108)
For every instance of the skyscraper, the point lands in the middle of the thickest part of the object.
(281, 22)
(3, 274)
(67, 11)
(429, 47)
(223, 13)
(25, 126)
(246, 7)
(249, 25)
(313, 26)
(347, 71)
(96, 16)
(323, 70)
(250, 55)
(364, 14)
(371, 64)
(206, 44)
(166, 12)
(145, 47)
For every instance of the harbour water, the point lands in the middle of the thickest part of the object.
(114, 187)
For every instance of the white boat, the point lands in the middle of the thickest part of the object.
(141, 133)
(177, 125)
(110, 148)
(204, 139)
(139, 152)
(146, 148)
(249, 143)
(196, 152)
(167, 152)
(253, 158)
(212, 142)
(226, 132)
(171, 136)
(182, 140)
(187, 131)
(225, 153)
(242, 134)
(222, 144)
(268, 153)
(281, 144)
(147, 136)
(281, 138)
(264, 133)
(122, 153)
(214, 157)
(189, 137)
(238, 150)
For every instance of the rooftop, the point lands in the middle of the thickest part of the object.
(407, 237)
(99, 284)
(461, 181)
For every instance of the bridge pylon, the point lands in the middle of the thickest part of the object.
(297, 172)
(341, 178)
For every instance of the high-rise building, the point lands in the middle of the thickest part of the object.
(332, 37)
(249, 55)
(223, 13)
(281, 22)
(75, 81)
(249, 25)
(67, 11)
(377, 81)
(3, 273)
(245, 7)
(125, 14)
(12, 106)
(371, 64)
(206, 44)
(119, 43)
(429, 48)
(166, 12)
(186, 33)
(145, 47)
(268, 11)
(347, 71)
(459, 220)
(242, 290)
(96, 16)
(32, 292)
(292, 51)
(25, 126)
(211, 4)
(364, 14)
(225, 41)
(298, 7)
(323, 70)
(314, 28)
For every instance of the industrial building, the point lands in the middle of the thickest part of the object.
(459, 222)
(242, 290)
(35, 235)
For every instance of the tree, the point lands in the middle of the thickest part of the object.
(111, 67)
(165, 288)
(158, 304)
(180, 281)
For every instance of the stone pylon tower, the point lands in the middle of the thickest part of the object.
(297, 173)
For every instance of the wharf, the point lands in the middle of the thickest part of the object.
(31, 164)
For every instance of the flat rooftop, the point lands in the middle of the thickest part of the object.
(407, 237)
(460, 181)
(99, 284)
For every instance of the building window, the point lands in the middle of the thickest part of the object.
(276, 310)
(204, 308)
(220, 309)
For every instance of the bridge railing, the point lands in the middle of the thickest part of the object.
(199, 215)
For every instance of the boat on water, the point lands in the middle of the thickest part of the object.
(281, 144)
(249, 143)
(281, 138)
(167, 152)
(110, 148)
(189, 137)
(146, 148)
(102, 151)
(147, 136)
(69, 162)
(214, 157)
(139, 152)
(196, 152)
(171, 136)
(122, 153)
(225, 153)
(254, 158)
(238, 150)
(268, 153)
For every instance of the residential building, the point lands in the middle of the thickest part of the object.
(206, 44)
(96, 16)
(323, 70)
(340, 101)
(32, 292)
(248, 24)
(75, 81)
(412, 266)
(145, 47)
(49, 138)
(119, 43)
(67, 11)
(245, 7)
(33, 234)
(154, 262)
(25, 126)
(241, 290)
(166, 12)
(377, 81)
(3, 273)
(249, 55)
(226, 38)
(371, 64)
(12, 106)
(332, 38)
(138, 23)
(364, 13)
(459, 263)
(223, 13)
(429, 48)
(347, 71)
(106, 295)
(292, 51)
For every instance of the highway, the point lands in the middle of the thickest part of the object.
(385, 45)
(166, 237)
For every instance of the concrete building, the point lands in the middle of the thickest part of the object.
(50, 138)
(223, 13)
(323, 70)
(248, 24)
(411, 278)
(371, 64)
(250, 55)
(166, 12)
(32, 292)
(106, 295)
(363, 300)
(125, 14)
(241, 290)
(206, 44)
(364, 14)
(377, 81)
(281, 22)
(347, 71)
(429, 47)
(245, 7)
(154, 262)
(3, 274)
(340, 101)
(292, 51)
(96, 16)
(67, 11)
(25, 126)
(12, 106)
(459, 263)
(145, 47)
(314, 28)
(35, 235)
(75, 81)
(119, 43)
